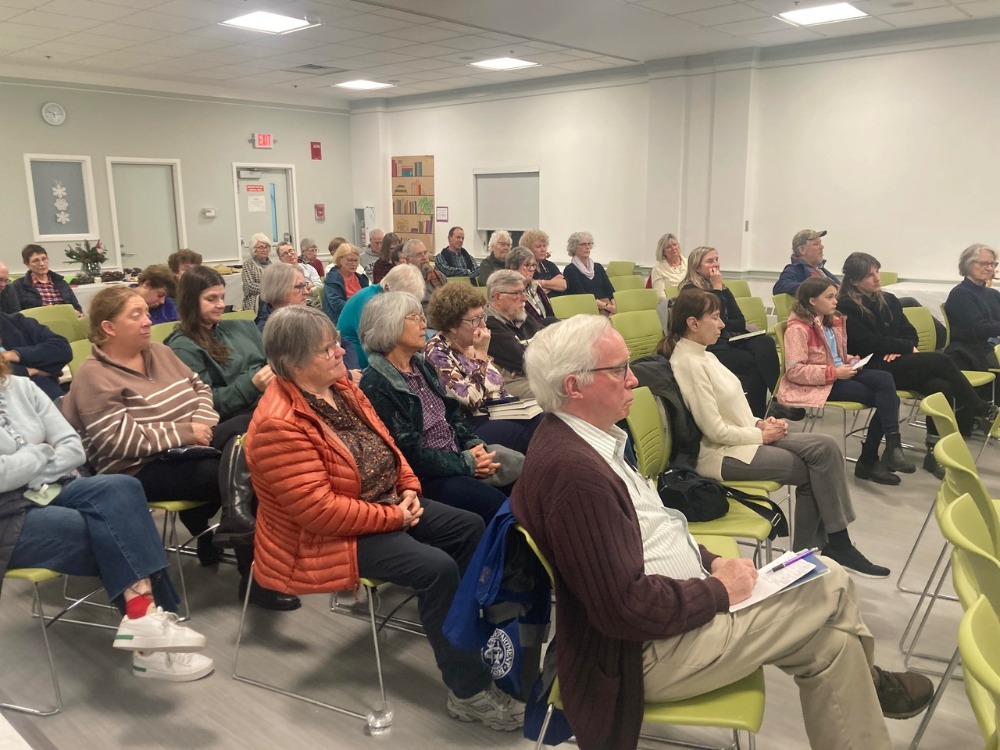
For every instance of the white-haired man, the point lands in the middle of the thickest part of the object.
(373, 251)
(642, 609)
(511, 329)
(416, 254)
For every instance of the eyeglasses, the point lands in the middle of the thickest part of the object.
(505, 244)
(584, 244)
(300, 287)
(530, 266)
(617, 371)
(416, 317)
(518, 293)
(287, 254)
(330, 351)
(262, 247)
(38, 261)
(985, 263)
(476, 321)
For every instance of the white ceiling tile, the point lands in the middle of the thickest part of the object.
(427, 64)
(8, 13)
(174, 24)
(372, 23)
(546, 47)
(422, 33)
(277, 76)
(132, 33)
(676, 7)
(339, 51)
(925, 17)
(471, 42)
(227, 34)
(45, 59)
(725, 14)
(878, 7)
(856, 26)
(120, 59)
(221, 73)
(982, 8)
(401, 15)
(427, 50)
(548, 58)
(171, 66)
(62, 46)
(88, 9)
(291, 59)
(458, 28)
(196, 9)
(382, 58)
(133, 4)
(100, 43)
(425, 75)
(578, 66)
(33, 32)
(10, 43)
(379, 43)
(756, 26)
(497, 37)
(329, 34)
(23, 4)
(785, 36)
(56, 21)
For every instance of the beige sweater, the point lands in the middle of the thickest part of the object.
(715, 398)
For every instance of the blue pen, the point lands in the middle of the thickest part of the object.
(795, 559)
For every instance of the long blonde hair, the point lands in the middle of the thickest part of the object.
(694, 263)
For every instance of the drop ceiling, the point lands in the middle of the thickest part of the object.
(421, 46)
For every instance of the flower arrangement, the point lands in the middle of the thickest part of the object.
(90, 257)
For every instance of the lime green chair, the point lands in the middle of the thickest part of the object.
(888, 277)
(620, 268)
(81, 350)
(739, 288)
(641, 330)
(82, 328)
(631, 300)
(783, 306)
(35, 576)
(978, 639)
(460, 280)
(738, 707)
(671, 291)
(652, 441)
(160, 331)
(46, 313)
(754, 311)
(240, 315)
(922, 320)
(567, 305)
(622, 283)
(172, 510)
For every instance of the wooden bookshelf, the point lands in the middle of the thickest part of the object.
(413, 199)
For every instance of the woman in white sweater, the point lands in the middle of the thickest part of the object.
(735, 445)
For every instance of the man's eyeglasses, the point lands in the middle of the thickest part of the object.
(416, 317)
(287, 254)
(518, 293)
(617, 371)
(476, 321)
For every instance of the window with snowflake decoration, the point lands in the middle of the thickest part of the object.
(61, 197)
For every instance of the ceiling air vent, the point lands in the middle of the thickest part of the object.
(315, 70)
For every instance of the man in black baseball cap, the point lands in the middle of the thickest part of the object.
(807, 260)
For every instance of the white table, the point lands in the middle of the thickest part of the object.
(929, 294)
(234, 291)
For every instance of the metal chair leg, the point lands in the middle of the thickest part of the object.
(37, 604)
(171, 539)
(911, 652)
(938, 694)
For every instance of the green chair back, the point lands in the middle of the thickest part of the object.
(888, 277)
(979, 644)
(81, 350)
(82, 327)
(739, 287)
(975, 568)
(567, 305)
(621, 283)
(650, 436)
(937, 407)
(61, 327)
(961, 478)
(240, 315)
(160, 331)
(460, 280)
(783, 306)
(921, 319)
(947, 325)
(47, 313)
(753, 310)
(671, 291)
(631, 300)
(620, 268)
(642, 331)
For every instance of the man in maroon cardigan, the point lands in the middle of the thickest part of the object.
(631, 581)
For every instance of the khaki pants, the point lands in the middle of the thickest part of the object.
(813, 632)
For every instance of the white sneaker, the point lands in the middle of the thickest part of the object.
(492, 706)
(157, 631)
(160, 665)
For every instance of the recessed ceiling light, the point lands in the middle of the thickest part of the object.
(364, 85)
(504, 63)
(269, 23)
(823, 14)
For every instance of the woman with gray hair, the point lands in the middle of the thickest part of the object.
(499, 246)
(253, 269)
(310, 256)
(281, 285)
(973, 309)
(536, 301)
(350, 505)
(431, 429)
(584, 276)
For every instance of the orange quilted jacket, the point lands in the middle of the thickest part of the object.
(307, 483)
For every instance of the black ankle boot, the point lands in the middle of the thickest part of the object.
(237, 524)
(269, 598)
(875, 471)
(893, 458)
(931, 465)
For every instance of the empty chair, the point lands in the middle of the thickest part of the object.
(567, 305)
(739, 287)
(631, 300)
(621, 283)
(620, 268)
(641, 330)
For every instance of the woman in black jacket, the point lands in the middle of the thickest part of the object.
(974, 311)
(876, 325)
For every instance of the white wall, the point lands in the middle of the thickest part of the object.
(207, 137)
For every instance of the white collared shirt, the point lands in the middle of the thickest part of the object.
(667, 547)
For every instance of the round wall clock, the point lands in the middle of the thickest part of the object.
(53, 113)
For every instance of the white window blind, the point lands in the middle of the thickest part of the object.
(507, 201)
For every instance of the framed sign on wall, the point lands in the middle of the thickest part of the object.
(61, 197)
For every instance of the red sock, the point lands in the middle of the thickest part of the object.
(137, 607)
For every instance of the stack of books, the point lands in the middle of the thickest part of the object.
(525, 408)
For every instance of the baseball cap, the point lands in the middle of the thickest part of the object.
(803, 236)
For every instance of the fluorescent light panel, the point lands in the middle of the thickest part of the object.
(823, 14)
(364, 85)
(504, 63)
(269, 23)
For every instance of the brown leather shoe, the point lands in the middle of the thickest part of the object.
(902, 695)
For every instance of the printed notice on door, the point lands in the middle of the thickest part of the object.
(256, 204)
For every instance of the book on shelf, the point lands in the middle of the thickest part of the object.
(525, 408)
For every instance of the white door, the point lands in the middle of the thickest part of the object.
(145, 200)
(265, 203)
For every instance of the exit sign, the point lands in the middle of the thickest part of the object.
(263, 140)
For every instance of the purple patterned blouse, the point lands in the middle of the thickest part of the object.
(470, 381)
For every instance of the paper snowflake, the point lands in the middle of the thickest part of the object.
(59, 191)
(62, 217)
(62, 204)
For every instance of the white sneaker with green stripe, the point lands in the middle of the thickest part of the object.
(160, 665)
(157, 631)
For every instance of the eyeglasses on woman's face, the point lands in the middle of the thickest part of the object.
(985, 263)
(300, 287)
(476, 322)
(330, 351)
(417, 317)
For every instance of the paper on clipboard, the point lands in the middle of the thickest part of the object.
(770, 582)
(862, 362)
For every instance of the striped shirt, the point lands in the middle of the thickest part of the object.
(667, 547)
(125, 418)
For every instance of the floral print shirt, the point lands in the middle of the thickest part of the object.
(469, 381)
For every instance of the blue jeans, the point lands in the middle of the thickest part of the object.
(873, 388)
(98, 526)
(465, 492)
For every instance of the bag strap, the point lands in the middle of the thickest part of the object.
(764, 507)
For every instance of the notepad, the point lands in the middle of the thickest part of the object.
(862, 362)
(770, 582)
(741, 336)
